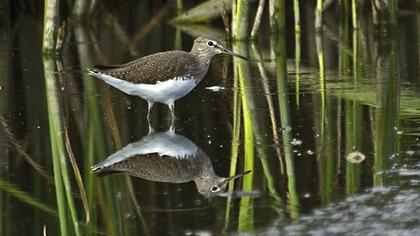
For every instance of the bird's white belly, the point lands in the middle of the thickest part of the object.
(166, 91)
(163, 91)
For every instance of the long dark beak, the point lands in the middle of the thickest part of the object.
(235, 177)
(224, 50)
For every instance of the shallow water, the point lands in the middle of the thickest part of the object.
(293, 128)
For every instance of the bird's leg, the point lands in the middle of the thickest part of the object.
(172, 127)
(172, 108)
(151, 130)
(149, 110)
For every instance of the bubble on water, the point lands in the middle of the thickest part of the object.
(307, 195)
(310, 152)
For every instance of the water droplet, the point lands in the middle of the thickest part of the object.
(410, 153)
(198, 202)
(215, 88)
(296, 142)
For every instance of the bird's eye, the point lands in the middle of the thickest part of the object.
(214, 189)
(210, 43)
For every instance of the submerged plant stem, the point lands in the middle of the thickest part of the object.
(257, 20)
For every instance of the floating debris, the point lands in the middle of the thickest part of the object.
(356, 157)
(215, 88)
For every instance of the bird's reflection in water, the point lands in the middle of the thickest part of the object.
(166, 157)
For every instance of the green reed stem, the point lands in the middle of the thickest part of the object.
(257, 20)
(354, 14)
(354, 116)
(321, 63)
(297, 68)
(296, 11)
(51, 24)
(318, 15)
(236, 132)
(286, 124)
(241, 20)
(246, 220)
(387, 103)
(96, 146)
(63, 186)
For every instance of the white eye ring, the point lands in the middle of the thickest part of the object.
(214, 189)
(211, 43)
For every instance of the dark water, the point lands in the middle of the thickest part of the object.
(294, 128)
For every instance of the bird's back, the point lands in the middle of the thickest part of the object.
(156, 67)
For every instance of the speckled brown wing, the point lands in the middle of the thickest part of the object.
(158, 168)
(156, 67)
